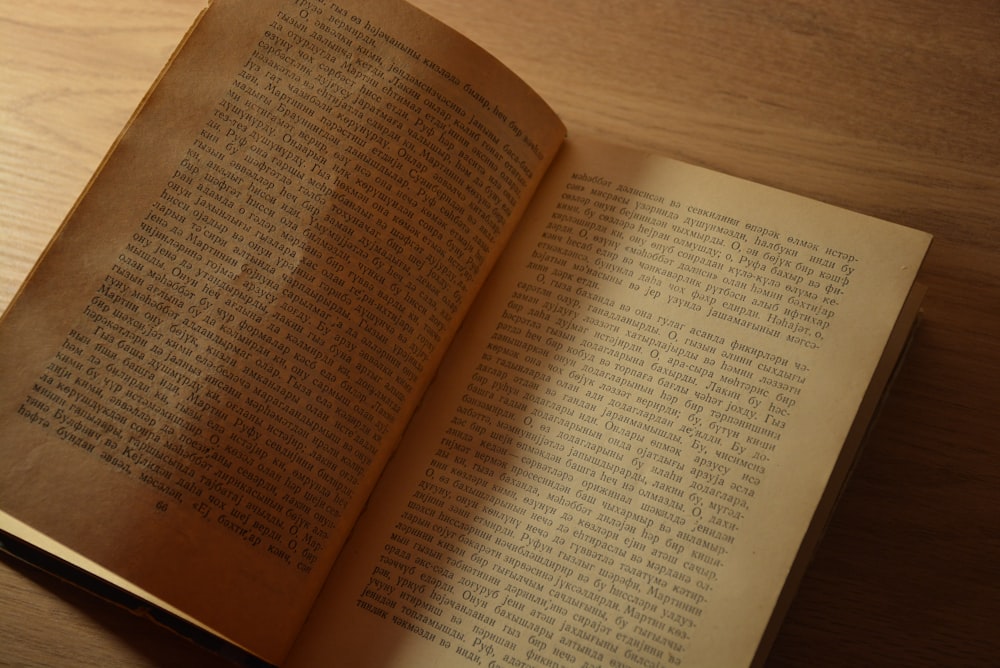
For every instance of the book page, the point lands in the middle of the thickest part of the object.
(628, 440)
(205, 375)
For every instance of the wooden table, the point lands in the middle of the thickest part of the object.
(888, 107)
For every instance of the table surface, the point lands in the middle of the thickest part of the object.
(888, 107)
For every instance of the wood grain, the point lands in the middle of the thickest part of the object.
(883, 106)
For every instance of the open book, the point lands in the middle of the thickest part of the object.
(348, 356)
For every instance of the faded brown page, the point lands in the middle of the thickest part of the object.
(628, 440)
(205, 374)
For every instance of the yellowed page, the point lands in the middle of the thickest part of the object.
(892, 358)
(628, 440)
(205, 374)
